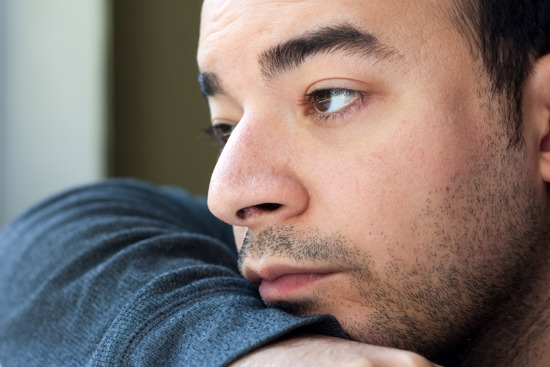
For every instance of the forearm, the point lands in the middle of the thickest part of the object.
(325, 351)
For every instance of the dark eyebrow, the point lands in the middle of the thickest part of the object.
(340, 38)
(290, 54)
(209, 84)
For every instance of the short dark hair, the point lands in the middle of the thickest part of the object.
(509, 36)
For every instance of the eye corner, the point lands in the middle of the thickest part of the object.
(220, 131)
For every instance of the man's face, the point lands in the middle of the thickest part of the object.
(367, 164)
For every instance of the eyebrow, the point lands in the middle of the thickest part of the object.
(210, 84)
(289, 55)
(343, 38)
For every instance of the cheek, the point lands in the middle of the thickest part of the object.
(389, 186)
(403, 167)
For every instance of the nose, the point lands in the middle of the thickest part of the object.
(256, 182)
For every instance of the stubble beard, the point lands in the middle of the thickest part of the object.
(435, 305)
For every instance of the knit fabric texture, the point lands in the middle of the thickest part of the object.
(123, 273)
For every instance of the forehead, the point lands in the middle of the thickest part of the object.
(234, 30)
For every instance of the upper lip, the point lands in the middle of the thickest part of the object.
(271, 272)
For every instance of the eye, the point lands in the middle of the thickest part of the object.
(220, 132)
(331, 101)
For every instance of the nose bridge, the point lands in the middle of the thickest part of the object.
(250, 154)
(256, 171)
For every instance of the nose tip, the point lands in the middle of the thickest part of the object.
(249, 205)
(256, 182)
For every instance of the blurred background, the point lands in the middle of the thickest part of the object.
(99, 88)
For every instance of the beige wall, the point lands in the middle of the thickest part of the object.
(157, 110)
(52, 98)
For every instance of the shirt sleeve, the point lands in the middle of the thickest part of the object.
(122, 273)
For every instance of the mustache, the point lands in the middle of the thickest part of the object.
(299, 246)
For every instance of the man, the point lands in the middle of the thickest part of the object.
(381, 166)
(385, 162)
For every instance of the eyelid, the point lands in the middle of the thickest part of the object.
(221, 121)
(337, 83)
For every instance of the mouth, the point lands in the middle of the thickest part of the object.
(278, 283)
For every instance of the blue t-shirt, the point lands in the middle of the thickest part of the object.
(122, 273)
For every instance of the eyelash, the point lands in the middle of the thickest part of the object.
(309, 100)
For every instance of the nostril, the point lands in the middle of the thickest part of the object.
(252, 211)
(269, 207)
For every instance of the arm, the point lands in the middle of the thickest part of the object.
(326, 351)
(123, 273)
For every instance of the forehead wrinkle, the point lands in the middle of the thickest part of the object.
(340, 38)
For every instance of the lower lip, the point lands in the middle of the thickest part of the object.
(290, 285)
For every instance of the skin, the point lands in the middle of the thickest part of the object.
(414, 222)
